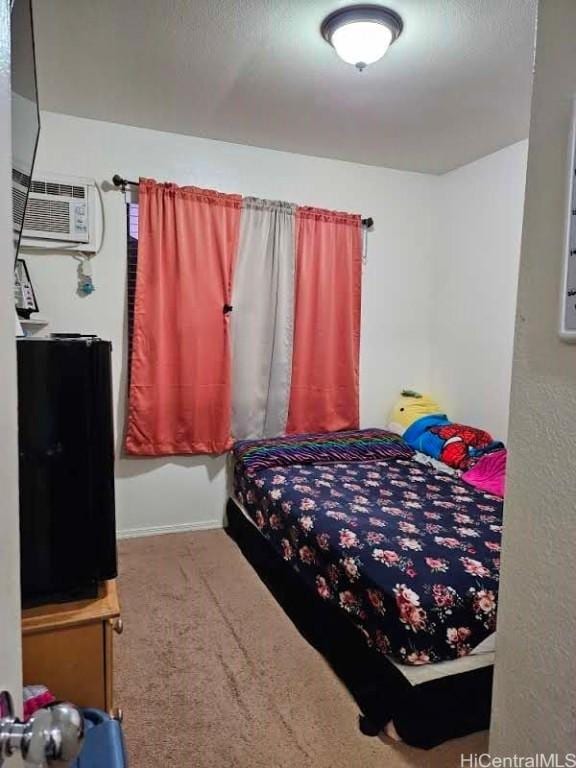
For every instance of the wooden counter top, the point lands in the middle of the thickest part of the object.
(60, 615)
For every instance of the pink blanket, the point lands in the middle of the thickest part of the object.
(489, 473)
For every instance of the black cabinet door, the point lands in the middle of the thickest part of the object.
(67, 520)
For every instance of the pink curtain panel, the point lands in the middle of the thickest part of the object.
(325, 362)
(180, 400)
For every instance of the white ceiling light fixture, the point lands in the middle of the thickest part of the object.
(361, 34)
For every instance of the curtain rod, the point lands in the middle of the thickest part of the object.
(118, 181)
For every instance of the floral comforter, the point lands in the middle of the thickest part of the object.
(410, 553)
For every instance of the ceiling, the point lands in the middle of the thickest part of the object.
(454, 87)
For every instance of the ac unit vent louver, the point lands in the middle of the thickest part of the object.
(20, 177)
(38, 187)
(60, 190)
(18, 203)
(47, 216)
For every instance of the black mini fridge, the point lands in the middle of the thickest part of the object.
(66, 448)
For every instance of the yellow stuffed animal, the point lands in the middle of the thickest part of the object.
(410, 407)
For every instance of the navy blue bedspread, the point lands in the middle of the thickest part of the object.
(410, 553)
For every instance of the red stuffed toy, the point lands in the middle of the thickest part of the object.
(459, 439)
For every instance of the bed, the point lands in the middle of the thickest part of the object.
(388, 567)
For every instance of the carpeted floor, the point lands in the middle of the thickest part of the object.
(211, 674)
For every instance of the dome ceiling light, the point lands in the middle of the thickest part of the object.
(361, 34)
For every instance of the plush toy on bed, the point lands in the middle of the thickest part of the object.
(423, 425)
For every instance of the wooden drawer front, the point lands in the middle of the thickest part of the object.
(70, 662)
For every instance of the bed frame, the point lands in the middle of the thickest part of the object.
(424, 715)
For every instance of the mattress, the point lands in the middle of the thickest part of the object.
(420, 714)
(416, 675)
(409, 553)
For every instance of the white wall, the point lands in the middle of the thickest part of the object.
(396, 296)
(534, 703)
(476, 255)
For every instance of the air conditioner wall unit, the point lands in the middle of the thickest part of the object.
(60, 213)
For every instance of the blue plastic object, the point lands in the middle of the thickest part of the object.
(86, 286)
(104, 742)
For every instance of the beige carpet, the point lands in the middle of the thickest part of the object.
(211, 674)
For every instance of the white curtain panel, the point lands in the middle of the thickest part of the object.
(263, 319)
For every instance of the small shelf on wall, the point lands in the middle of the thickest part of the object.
(34, 322)
(32, 326)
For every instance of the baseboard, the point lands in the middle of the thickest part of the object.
(157, 530)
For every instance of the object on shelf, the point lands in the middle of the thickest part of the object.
(24, 296)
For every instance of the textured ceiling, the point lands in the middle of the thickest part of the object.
(454, 87)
